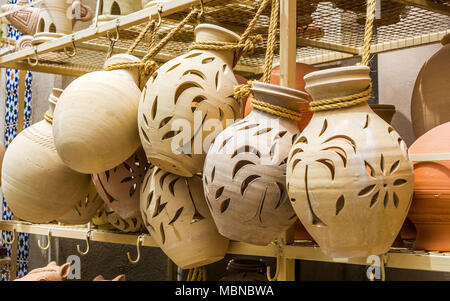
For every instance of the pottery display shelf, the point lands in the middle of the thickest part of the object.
(339, 42)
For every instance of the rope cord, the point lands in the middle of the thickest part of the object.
(48, 116)
(197, 274)
(275, 110)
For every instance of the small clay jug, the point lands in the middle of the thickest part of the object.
(349, 176)
(51, 272)
(186, 103)
(430, 209)
(245, 270)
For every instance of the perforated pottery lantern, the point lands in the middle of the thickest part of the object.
(112, 9)
(244, 173)
(95, 123)
(174, 211)
(120, 187)
(132, 224)
(185, 102)
(349, 176)
(37, 185)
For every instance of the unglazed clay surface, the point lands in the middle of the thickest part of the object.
(174, 211)
(25, 20)
(133, 224)
(349, 176)
(51, 272)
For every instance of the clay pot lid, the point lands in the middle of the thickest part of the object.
(446, 39)
(278, 95)
(227, 35)
(436, 140)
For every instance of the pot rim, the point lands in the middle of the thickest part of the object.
(336, 71)
(220, 29)
(278, 90)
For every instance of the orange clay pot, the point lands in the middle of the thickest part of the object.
(51, 272)
(430, 209)
(301, 70)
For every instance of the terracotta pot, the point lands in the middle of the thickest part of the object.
(37, 185)
(133, 224)
(186, 104)
(429, 102)
(430, 209)
(51, 272)
(83, 211)
(386, 112)
(25, 20)
(120, 186)
(112, 9)
(95, 123)
(244, 172)
(245, 270)
(408, 230)
(175, 213)
(301, 71)
(117, 278)
(349, 176)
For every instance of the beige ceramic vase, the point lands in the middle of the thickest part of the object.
(186, 103)
(120, 187)
(83, 211)
(25, 20)
(95, 123)
(112, 9)
(244, 172)
(37, 185)
(349, 176)
(133, 224)
(100, 220)
(174, 211)
(431, 96)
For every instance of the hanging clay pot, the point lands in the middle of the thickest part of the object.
(245, 270)
(100, 220)
(120, 186)
(134, 224)
(174, 211)
(95, 123)
(186, 103)
(349, 177)
(112, 9)
(300, 232)
(430, 99)
(300, 71)
(83, 211)
(37, 185)
(25, 20)
(244, 172)
(51, 272)
(430, 209)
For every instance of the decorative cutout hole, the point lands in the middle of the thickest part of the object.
(263, 131)
(399, 182)
(192, 55)
(170, 134)
(163, 177)
(367, 190)
(247, 181)
(283, 195)
(382, 163)
(213, 173)
(196, 102)
(219, 192)
(154, 107)
(163, 234)
(208, 60)
(280, 134)
(343, 138)
(194, 72)
(386, 199)
(324, 127)
(132, 189)
(183, 87)
(176, 216)
(390, 129)
(296, 161)
(247, 127)
(367, 122)
(216, 81)
(369, 169)
(52, 28)
(224, 205)
(127, 179)
(224, 143)
(395, 166)
(396, 200)
(173, 67)
(374, 199)
(164, 121)
(239, 165)
(329, 164)
(340, 204)
(246, 149)
(294, 137)
(115, 8)
(172, 185)
(149, 199)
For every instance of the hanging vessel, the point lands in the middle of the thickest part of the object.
(431, 95)
(95, 123)
(244, 172)
(245, 270)
(133, 224)
(112, 9)
(25, 20)
(174, 211)
(120, 187)
(37, 185)
(100, 220)
(349, 177)
(430, 209)
(186, 102)
(83, 211)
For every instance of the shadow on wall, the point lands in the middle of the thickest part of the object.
(402, 124)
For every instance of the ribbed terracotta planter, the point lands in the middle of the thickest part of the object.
(120, 187)
(430, 209)
(349, 176)
(37, 185)
(175, 213)
(244, 172)
(95, 123)
(184, 103)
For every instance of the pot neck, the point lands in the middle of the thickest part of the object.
(132, 73)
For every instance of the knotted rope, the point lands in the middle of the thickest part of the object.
(48, 116)
(197, 274)
(358, 98)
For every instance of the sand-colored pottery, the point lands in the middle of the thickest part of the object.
(37, 185)
(187, 102)
(245, 270)
(430, 209)
(25, 20)
(112, 9)
(95, 123)
(81, 12)
(244, 173)
(134, 224)
(300, 71)
(51, 272)
(431, 95)
(100, 219)
(24, 42)
(349, 176)
(175, 213)
(117, 278)
(86, 208)
(120, 187)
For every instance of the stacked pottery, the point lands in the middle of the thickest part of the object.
(349, 177)
(175, 213)
(95, 123)
(132, 224)
(244, 172)
(430, 210)
(112, 9)
(187, 102)
(120, 187)
(430, 100)
(37, 185)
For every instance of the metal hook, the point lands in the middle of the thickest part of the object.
(138, 247)
(36, 59)
(269, 277)
(13, 237)
(88, 236)
(160, 9)
(117, 32)
(74, 51)
(48, 242)
(202, 7)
